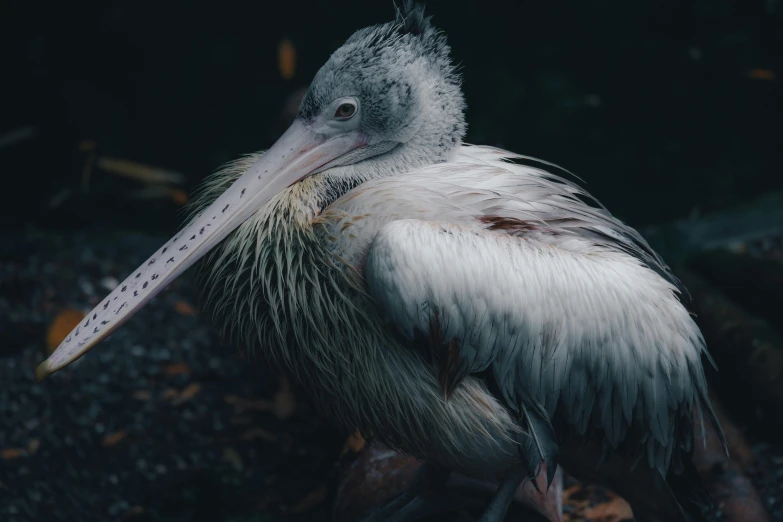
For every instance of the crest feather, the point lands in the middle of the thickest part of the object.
(411, 18)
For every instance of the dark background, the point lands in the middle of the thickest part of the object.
(662, 107)
(668, 109)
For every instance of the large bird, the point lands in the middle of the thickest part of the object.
(459, 303)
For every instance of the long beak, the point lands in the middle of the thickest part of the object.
(298, 153)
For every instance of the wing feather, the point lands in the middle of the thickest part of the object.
(593, 335)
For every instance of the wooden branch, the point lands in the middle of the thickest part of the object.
(726, 479)
(749, 353)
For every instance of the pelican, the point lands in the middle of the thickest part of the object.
(462, 304)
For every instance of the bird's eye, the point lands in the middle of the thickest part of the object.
(345, 110)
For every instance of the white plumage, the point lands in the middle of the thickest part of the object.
(553, 313)
(460, 303)
(550, 312)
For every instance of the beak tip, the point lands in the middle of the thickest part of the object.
(42, 371)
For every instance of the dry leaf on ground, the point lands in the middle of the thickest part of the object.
(353, 444)
(11, 453)
(283, 404)
(180, 197)
(188, 393)
(286, 59)
(184, 308)
(176, 369)
(761, 74)
(115, 438)
(61, 326)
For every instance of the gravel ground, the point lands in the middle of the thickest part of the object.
(768, 478)
(160, 422)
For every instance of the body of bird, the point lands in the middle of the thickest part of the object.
(459, 303)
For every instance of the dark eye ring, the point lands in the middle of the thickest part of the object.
(345, 110)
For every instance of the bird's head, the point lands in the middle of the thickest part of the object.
(391, 85)
(387, 101)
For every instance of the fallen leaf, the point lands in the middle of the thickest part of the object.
(61, 326)
(577, 500)
(184, 308)
(188, 392)
(176, 369)
(33, 445)
(113, 439)
(571, 490)
(311, 500)
(761, 74)
(353, 444)
(258, 433)
(11, 453)
(180, 197)
(142, 395)
(286, 59)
